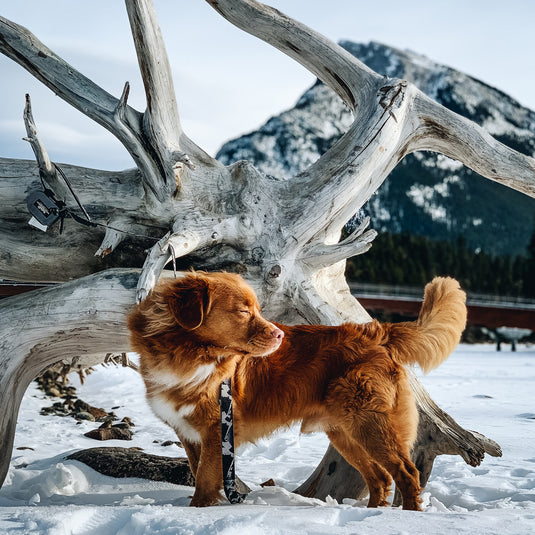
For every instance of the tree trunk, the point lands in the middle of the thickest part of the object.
(283, 235)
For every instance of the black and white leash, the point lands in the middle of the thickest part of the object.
(227, 444)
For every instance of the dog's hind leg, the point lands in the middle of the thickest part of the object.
(376, 477)
(404, 472)
(377, 436)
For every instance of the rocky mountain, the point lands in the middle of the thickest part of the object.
(427, 194)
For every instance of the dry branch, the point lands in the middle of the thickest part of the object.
(46, 168)
(444, 131)
(23, 47)
(169, 247)
(348, 77)
(161, 121)
(358, 242)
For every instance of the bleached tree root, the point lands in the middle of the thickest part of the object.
(282, 234)
(76, 323)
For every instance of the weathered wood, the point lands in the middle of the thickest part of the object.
(404, 119)
(47, 170)
(27, 254)
(17, 43)
(77, 323)
(443, 131)
(161, 120)
(281, 234)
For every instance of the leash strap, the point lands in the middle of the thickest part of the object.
(227, 444)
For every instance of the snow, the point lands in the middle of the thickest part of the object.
(448, 164)
(485, 390)
(424, 197)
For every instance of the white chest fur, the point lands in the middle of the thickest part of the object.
(175, 418)
(159, 384)
(166, 379)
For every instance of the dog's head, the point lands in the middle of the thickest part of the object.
(221, 309)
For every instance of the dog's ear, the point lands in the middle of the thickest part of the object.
(189, 301)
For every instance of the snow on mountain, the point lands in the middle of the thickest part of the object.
(427, 194)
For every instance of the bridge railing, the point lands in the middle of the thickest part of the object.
(366, 289)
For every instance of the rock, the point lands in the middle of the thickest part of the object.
(84, 416)
(125, 423)
(168, 443)
(53, 392)
(53, 383)
(82, 406)
(130, 462)
(110, 433)
(128, 421)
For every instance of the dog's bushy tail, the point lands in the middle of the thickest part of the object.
(430, 339)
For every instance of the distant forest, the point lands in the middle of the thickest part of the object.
(409, 260)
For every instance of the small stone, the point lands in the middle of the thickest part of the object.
(128, 422)
(82, 406)
(168, 443)
(106, 424)
(110, 433)
(84, 416)
(69, 392)
(52, 391)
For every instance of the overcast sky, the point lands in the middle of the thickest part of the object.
(229, 83)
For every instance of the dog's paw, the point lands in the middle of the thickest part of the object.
(204, 501)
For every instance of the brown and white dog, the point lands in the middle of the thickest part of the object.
(348, 381)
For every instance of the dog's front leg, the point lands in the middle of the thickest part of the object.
(209, 476)
(193, 451)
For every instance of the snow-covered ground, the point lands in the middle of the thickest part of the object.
(482, 389)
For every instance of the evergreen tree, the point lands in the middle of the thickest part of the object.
(410, 260)
(529, 274)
